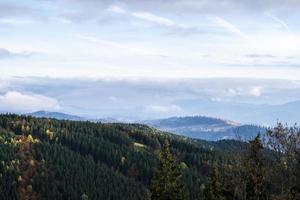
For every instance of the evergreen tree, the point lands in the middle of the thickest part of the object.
(166, 184)
(84, 197)
(213, 189)
(255, 172)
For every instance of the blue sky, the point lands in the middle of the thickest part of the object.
(138, 40)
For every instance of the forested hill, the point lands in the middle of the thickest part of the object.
(206, 128)
(53, 159)
(199, 127)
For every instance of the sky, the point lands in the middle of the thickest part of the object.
(201, 51)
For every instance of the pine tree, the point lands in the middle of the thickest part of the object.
(213, 189)
(255, 172)
(166, 184)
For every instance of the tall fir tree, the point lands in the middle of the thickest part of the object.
(255, 172)
(166, 183)
(213, 189)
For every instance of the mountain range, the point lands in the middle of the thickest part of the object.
(245, 113)
(197, 127)
(206, 128)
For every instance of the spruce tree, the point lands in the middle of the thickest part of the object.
(213, 189)
(166, 184)
(255, 172)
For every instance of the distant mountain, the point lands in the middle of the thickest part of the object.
(198, 127)
(56, 115)
(64, 116)
(245, 113)
(206, 128)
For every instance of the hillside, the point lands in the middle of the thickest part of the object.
(206, 128)
(50, 159)
(45, 158)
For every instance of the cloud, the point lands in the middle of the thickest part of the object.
(232, 92)
(116, 45)
(164, 110)
(4, 53)
(229, 27)
(3, 85)
(260, 56)
(279, 21)
(13, 101)
(113, 98)
(145, 99)
(254, 91)
(89, 10)
(103, 42)
(173, 26)
(229, 6)
(116, 9)
(16, 21)
(13, 9)
(269, 60)
(154, 18)
(62, 20)
(198, 6)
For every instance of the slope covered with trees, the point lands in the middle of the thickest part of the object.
(206, 128)
(52, 159)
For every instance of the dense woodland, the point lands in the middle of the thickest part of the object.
(52, 159)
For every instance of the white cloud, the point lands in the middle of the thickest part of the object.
(165, 22)
(14, 101)
(144, 15)
(107, 53)
(216, 99)
(103, 42)
(154, 18)
(116, 9)
(232, 92)
(255, 91)
(229, 27)
(3, 85)
(16, 21)
(4, 53)
(279, 21)
(115, 45)
(159, 109)
(113, 98)
(62, 20)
